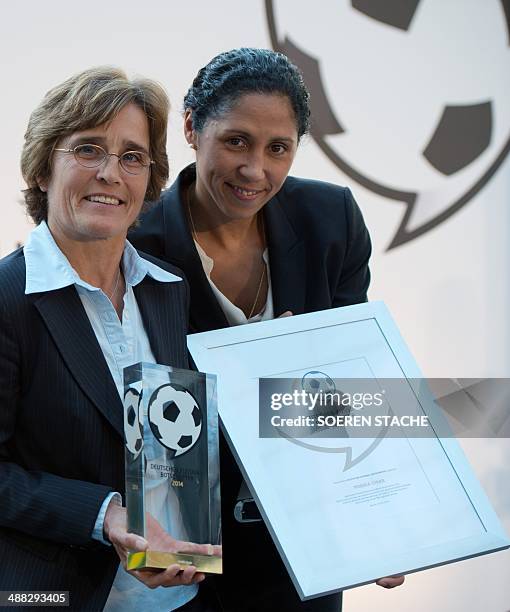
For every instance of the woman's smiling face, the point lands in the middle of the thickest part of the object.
(244, 156)
(98, 203)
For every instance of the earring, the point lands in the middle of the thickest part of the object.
(193, 146)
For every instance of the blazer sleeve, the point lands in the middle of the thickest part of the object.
(36, 502)
(354, 279)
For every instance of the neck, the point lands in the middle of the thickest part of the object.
(208, 221)
(96, 261)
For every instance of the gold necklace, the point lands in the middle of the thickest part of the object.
(188, 202)
(194, 234)
(258, 290)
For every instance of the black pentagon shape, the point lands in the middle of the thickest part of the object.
(138, 444)
(131, 416)
(197, 416)
(461, 136)
(184, 441)
(314, 383)
(171, 411)
(396, 13)
(324, 120)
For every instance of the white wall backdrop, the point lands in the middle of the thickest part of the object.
(448, 288)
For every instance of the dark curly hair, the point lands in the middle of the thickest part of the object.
(231, 74)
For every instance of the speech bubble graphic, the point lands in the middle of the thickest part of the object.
(343, 439)
(407, 99)
(352, 456)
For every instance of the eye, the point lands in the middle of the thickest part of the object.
(277, 148)
(89, 151)
(236, 142)
(135, 158)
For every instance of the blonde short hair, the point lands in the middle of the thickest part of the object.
(86, 100)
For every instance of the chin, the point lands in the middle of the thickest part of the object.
(246, 211)
(103, 231)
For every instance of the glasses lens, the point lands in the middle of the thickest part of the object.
(89, 155)
(134, 161)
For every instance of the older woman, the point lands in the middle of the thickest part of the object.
(78, 303)
(255, 244)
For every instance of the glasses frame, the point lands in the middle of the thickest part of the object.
(105, 156)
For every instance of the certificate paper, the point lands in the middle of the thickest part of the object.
(345, 511)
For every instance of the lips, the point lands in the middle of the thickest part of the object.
(245, 194)
(104, 199)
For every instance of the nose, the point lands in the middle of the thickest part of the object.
(109, 170)
(253, 167)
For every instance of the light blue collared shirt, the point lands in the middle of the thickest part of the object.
(122, 343)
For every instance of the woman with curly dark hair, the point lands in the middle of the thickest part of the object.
(255, 244)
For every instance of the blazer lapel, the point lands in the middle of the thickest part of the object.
(206, 313)
(67, 323)
(287, 261)
(164, 318)
(286, 257)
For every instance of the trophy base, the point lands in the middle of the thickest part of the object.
(153, 559)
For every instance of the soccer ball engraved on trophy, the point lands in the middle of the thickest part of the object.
(132, 422)
(175, 418)
(172, 466)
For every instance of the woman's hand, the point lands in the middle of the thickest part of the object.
(124, 542)
(391, 582)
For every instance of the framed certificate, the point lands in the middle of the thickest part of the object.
(345, 511)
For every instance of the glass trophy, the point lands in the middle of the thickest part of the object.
(172, 465)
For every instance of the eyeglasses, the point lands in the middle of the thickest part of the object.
(92, 156)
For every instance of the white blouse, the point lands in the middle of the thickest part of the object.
(233, 314)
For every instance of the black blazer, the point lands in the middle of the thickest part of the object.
(61, 431)
(319, 249)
